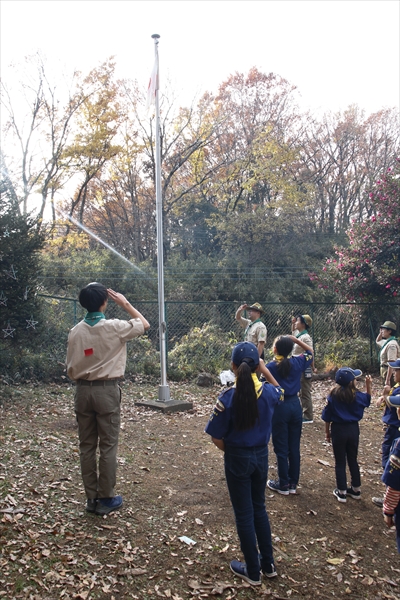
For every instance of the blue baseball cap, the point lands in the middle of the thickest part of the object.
(245, 350)
(395, 364)
(345, 375)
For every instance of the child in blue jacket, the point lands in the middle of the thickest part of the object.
(240, 426)
(344, 409)
(391, 474)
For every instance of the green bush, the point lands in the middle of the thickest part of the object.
(203, 349)
(19, 365)
(350, 352)
(142, 358)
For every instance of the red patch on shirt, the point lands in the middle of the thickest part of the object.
(88, 351)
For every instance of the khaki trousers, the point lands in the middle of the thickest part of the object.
(305, 397)
(98, 409)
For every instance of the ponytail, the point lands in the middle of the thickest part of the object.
(284, 347)
(244, 403)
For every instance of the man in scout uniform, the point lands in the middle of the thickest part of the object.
(255, 330)
(300, 327)
(389, 350)
(96, 359)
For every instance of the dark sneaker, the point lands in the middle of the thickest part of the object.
(107, 505)
(339, 496)
(378, 502)
(353, 494)
(308, 421)
(91, 505)
(270, 571)
(276, 487)
(292, 488)
(240, 569)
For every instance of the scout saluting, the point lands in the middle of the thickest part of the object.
(240, 426)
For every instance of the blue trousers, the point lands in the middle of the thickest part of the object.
(287, 422)
(246, 471)
(345, 438)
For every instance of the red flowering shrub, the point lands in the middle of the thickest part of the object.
(369, 267)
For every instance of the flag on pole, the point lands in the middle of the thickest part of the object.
(153, 85)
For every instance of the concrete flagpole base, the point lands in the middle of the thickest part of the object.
(164, 403)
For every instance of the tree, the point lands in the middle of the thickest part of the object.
(20, 244)
(339, 160)
(369, 267)
(40, 136)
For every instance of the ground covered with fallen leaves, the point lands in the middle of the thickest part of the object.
(175, 536)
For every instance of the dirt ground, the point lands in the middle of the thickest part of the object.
(171, 478)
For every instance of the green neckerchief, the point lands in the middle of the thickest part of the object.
(301, 333)
(252, 323)
(92, 318)
(392, 337)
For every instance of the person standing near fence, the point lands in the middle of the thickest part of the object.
(300, 327)
(389, 350)
(255, 330)
(96, 359)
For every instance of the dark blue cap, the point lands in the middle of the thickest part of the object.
(345, 375)
(245, 350)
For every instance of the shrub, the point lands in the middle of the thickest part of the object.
(207, 348)
(142, 358)
(350, 352)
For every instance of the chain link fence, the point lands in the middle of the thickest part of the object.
(200, 335)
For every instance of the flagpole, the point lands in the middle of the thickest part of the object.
(164, 402)
(163, 390)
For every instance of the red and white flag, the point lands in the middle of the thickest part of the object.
(153, 85)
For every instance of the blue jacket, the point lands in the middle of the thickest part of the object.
(220, 425)
(341, 412)
(299, 364)
(391, 474)
(390, 415)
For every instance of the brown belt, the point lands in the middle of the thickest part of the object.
(102, 382)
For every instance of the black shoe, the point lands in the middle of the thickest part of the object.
(353, 494)
(339, 496)
(106, 505)
(91, 505)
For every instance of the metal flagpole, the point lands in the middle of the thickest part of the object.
(163, 390)
(164, 401)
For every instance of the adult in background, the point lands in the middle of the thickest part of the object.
(300, 327)
(96, 359)
(254, 329)
(389, 350)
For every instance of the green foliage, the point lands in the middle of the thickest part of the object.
(19, 365)
(351, 352)
(19, 273)
(142, 358)
(205, 348)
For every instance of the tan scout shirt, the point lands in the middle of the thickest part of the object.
(306, 338)
(255, 332)
(390, 353)
(99, 352)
